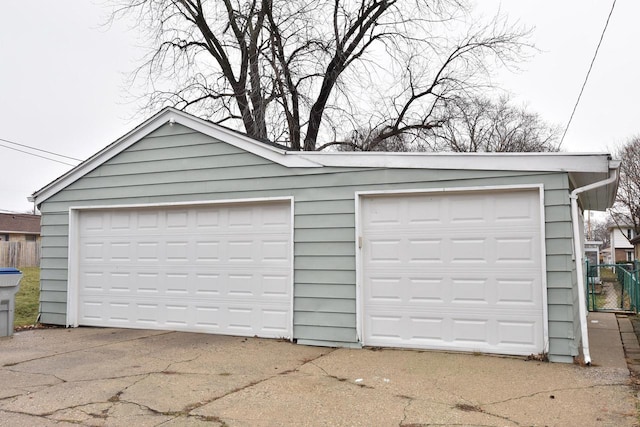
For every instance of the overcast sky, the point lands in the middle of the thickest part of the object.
(62, 79)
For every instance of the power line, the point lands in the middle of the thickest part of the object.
(38, 149)
(604, 30)
(36, 155)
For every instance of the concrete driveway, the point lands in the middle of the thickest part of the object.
(113, 377)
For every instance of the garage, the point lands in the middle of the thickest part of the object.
(216, 268)
(183, 224)
(454, 270)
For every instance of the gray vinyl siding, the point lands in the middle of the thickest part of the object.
(175, 164)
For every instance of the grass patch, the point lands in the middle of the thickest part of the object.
(600, 302)
(607, 274)
(27, 298)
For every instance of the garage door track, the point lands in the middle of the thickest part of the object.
(92, 376)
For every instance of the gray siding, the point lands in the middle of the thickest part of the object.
(175, 164)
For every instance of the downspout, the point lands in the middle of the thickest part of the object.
(575, 219)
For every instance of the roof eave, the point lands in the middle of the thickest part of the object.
(171, 116)
(582, 167)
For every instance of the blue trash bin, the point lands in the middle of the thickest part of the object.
(9, 286)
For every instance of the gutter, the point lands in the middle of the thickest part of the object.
(575, 219)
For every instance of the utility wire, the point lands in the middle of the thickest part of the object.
(613, 5)
(36, 155)
(38, 149)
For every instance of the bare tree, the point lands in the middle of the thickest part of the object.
(477, 124)
(309, 73)
(483, 124)
(626, 210)
(598, 230)
(368, 140)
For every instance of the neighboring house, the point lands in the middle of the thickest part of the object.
(185, 225)
(19, 240)
(636, 245)
(592, 255)
(620, 247)
(605, 255)
(16, 227)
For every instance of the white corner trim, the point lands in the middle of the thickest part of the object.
(543, 267)
(292, 270)
(72, 272)
(359, 268)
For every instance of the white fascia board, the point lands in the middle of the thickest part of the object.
(545, 162)
(241, 141)
(170, 115)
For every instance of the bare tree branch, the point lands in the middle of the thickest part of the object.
(304, 71)
(626, 210)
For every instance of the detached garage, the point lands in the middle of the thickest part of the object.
(185, 225)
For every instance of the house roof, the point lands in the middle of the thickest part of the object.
(19, 223)
(583, 168)
(620, 226)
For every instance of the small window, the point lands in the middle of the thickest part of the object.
(629, 256)
(4, 237)
(30, 237)
(629, 233)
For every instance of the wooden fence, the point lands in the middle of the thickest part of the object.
(19, 254)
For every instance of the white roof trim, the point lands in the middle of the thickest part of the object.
(581, 163)
(544, 162)
(171, 115)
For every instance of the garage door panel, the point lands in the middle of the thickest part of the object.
(514, 290)
(207, 251)
(466, 331)
(468, 250)
(274, 218)
(515, 249)
(523, 333)
(272, 249)
(227, 316)
(469, 291)
(191, 268)
(173, 283)
(424, 210)
(275, 286)
(516, 207)
(467, 211)
(423, 250)
(469, 279)
(518, 247)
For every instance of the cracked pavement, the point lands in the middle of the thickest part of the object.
(113, 377)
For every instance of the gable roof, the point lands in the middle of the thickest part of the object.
(583, 168)
(19, 223)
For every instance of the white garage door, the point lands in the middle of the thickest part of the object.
(220, 269)
(458, 271)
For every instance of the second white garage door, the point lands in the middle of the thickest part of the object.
(223, 269)
(459, 271)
